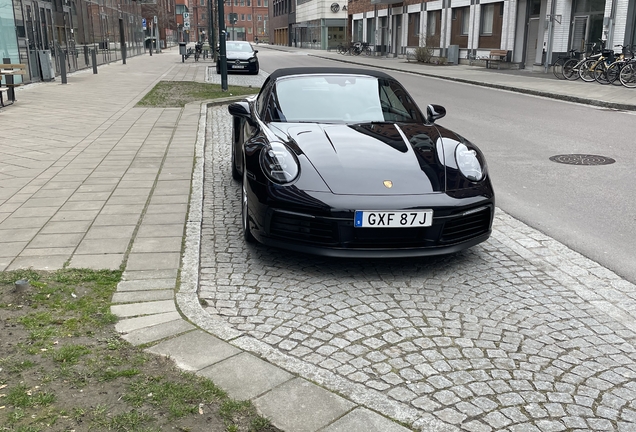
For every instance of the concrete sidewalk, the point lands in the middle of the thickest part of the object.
(88, 180)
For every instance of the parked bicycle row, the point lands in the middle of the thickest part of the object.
(599, 64)
(355, 48)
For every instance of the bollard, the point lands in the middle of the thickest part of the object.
(63, 66)
(94, 58)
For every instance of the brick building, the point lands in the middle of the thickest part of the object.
(247, 20)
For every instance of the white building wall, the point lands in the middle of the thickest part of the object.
(509, 26)
(621, 32)
(318, 9)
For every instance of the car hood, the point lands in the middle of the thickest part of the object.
(373, 158)
(239, 55)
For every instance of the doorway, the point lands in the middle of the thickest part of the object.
(532, 42)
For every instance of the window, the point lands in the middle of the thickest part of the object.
(431, 23)
(202, 3)
(242, 2)
(259, 18)
(487, 14)
(258, 3)
(249, 17)
(249, 3)
(242, 17)
(265, 3)
(465, 20)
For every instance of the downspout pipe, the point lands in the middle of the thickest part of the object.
(548, 54)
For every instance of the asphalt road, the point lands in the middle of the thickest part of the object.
(591, 209)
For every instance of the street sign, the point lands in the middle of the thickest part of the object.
(143, 23)
(155, 19)
(186, 17)
(186, 25)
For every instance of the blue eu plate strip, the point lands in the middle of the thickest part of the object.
(357, 221)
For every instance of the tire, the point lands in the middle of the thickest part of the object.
(600, 73)
(557, 68)
(569, 71)
(236, 174)
(628, 75)
(367, 51)
(586, 73)
(613, 72)
(247, 233)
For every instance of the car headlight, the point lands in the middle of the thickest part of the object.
(468, 163)
(252, 60)
(279, 163)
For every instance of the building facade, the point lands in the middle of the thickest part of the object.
(40, 33)
(247, 20)
(534, 32)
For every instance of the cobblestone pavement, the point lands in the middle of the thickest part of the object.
(519, 333)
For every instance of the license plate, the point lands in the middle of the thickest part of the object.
(238, 67)
(393, 219)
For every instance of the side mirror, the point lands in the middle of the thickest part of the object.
(241, 110)
(255, 51)
(434, 112)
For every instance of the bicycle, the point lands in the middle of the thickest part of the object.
(358, 48)
(586, 70)
(613, 71)
(557, 67)
(572, 66)
(627, 76)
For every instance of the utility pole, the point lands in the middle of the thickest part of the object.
(222, 36)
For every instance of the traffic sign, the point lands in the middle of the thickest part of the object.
(143, 23)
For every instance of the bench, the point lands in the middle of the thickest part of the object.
(8, 71)
(496, 56)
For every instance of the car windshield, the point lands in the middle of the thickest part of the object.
(341, 98)
(241, 47)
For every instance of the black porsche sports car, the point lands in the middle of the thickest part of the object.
(342, 162)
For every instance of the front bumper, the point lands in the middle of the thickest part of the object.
(452, 230)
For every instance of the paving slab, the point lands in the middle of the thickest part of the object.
(142, 296)
(131, 324)
(245, 376)
(157, 332)
(143, 308)
(364, 420)
(300, 406)
(195, 350)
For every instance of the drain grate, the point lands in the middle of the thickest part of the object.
(582, 159)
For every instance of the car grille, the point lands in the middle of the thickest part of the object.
(303, 228)
(341, 233)
(466, 227)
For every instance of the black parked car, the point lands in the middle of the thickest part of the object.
(341, 162)
(241, 57)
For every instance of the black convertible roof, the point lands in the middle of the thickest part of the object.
(326, 70)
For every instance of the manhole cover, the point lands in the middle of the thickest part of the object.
(582, 159)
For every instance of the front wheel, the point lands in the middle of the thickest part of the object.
(586, 70)
(570, 72)
(628, 75)
(600, 73)
(367, 51)
(614, 71)
(245, 222)
(557, 68)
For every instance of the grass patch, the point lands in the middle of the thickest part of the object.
(179, 93)
(63, 367)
